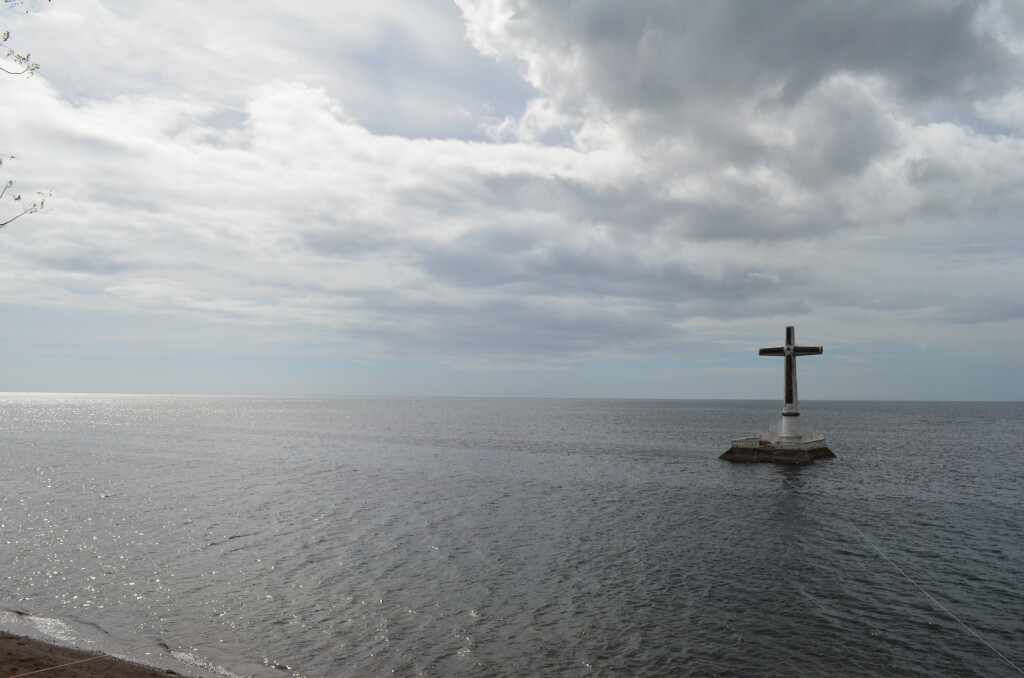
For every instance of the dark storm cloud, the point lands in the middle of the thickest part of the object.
(611, 270)
(503, 206)
(521, 326)
(516, 328)
(662, 55)
(755, 219)
(811, 90)
(840, 137)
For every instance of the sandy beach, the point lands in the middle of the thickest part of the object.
(19, 655)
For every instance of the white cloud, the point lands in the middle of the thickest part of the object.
(666, 173)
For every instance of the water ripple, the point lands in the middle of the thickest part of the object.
(513, 538)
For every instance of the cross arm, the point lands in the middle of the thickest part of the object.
(774, 350)
(808, 350)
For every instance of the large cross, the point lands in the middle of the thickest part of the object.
(790, 351)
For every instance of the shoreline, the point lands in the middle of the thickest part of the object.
(20, 654)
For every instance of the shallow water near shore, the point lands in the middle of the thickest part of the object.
(468, 537)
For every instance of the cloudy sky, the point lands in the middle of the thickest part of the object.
(515, 197)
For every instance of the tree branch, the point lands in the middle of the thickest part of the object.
(22, 60)
(31, 209)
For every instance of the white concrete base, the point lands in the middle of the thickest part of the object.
(789, 433)
(789, 441)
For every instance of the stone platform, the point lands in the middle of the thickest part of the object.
(769, 453)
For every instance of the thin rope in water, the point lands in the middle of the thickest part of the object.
(931, 598)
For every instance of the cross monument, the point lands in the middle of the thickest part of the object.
(789, 441)
(790, 352)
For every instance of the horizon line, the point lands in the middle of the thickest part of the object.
(472, 397)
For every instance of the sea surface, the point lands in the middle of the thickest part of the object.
(500, 537)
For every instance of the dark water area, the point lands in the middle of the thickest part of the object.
(491, 537)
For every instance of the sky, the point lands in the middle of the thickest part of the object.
(515, 198)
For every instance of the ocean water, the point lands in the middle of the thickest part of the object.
(493, 537)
